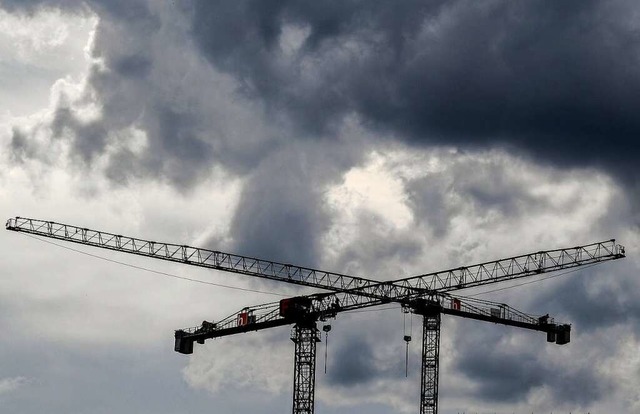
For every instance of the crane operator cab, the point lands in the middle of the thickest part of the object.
(295, 308)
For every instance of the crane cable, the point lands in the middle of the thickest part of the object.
(326, 350)
(407, 338)
(188, 279)
(326, 328)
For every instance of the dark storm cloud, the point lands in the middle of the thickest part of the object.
(116, 8)
(31, 6)
(281, 210)
(93, 134)
(176, 140)
(187, 133)
(179, 148)
(279, 215)
(594, 303)
(559, 80)
(82, 379)
(502, 375)
(385, 247)
(353, 364)
(357, 360)
(365, 354)
(488, 187)
(242, 38)
(176, 152)
(21, 147)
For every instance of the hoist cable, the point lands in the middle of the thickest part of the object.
(188, 279)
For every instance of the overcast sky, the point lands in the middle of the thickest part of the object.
(376, 138)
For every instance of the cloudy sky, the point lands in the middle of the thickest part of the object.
(375, 138)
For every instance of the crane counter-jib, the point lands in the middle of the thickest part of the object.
(293, 310)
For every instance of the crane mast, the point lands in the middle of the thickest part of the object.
(423, 294)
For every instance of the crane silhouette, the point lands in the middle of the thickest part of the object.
(427, 295)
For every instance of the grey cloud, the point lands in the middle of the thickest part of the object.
(31, 6)
(278, 217)
(180, 152)
(190, 127)
(133, 66)
(281, 210)
(367, 351)
(522, 75)
(123, 167)
(353, 364)
(589, 304)
(384, 252)
(124, 9)
(242, 39)
(502, 375)
(427, 196)
(435, 198)
(89, 138)
(63, 379)
(558, 81)
(21, 147)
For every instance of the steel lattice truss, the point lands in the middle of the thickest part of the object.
(352, 287)
(430, 363)
(268, 315)
(305, 338)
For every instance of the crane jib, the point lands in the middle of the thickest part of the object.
(447, 280)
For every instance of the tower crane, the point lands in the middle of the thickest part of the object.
(305, 311)
(423, 294)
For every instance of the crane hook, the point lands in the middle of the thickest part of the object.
(326, 328)
(407, 339)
